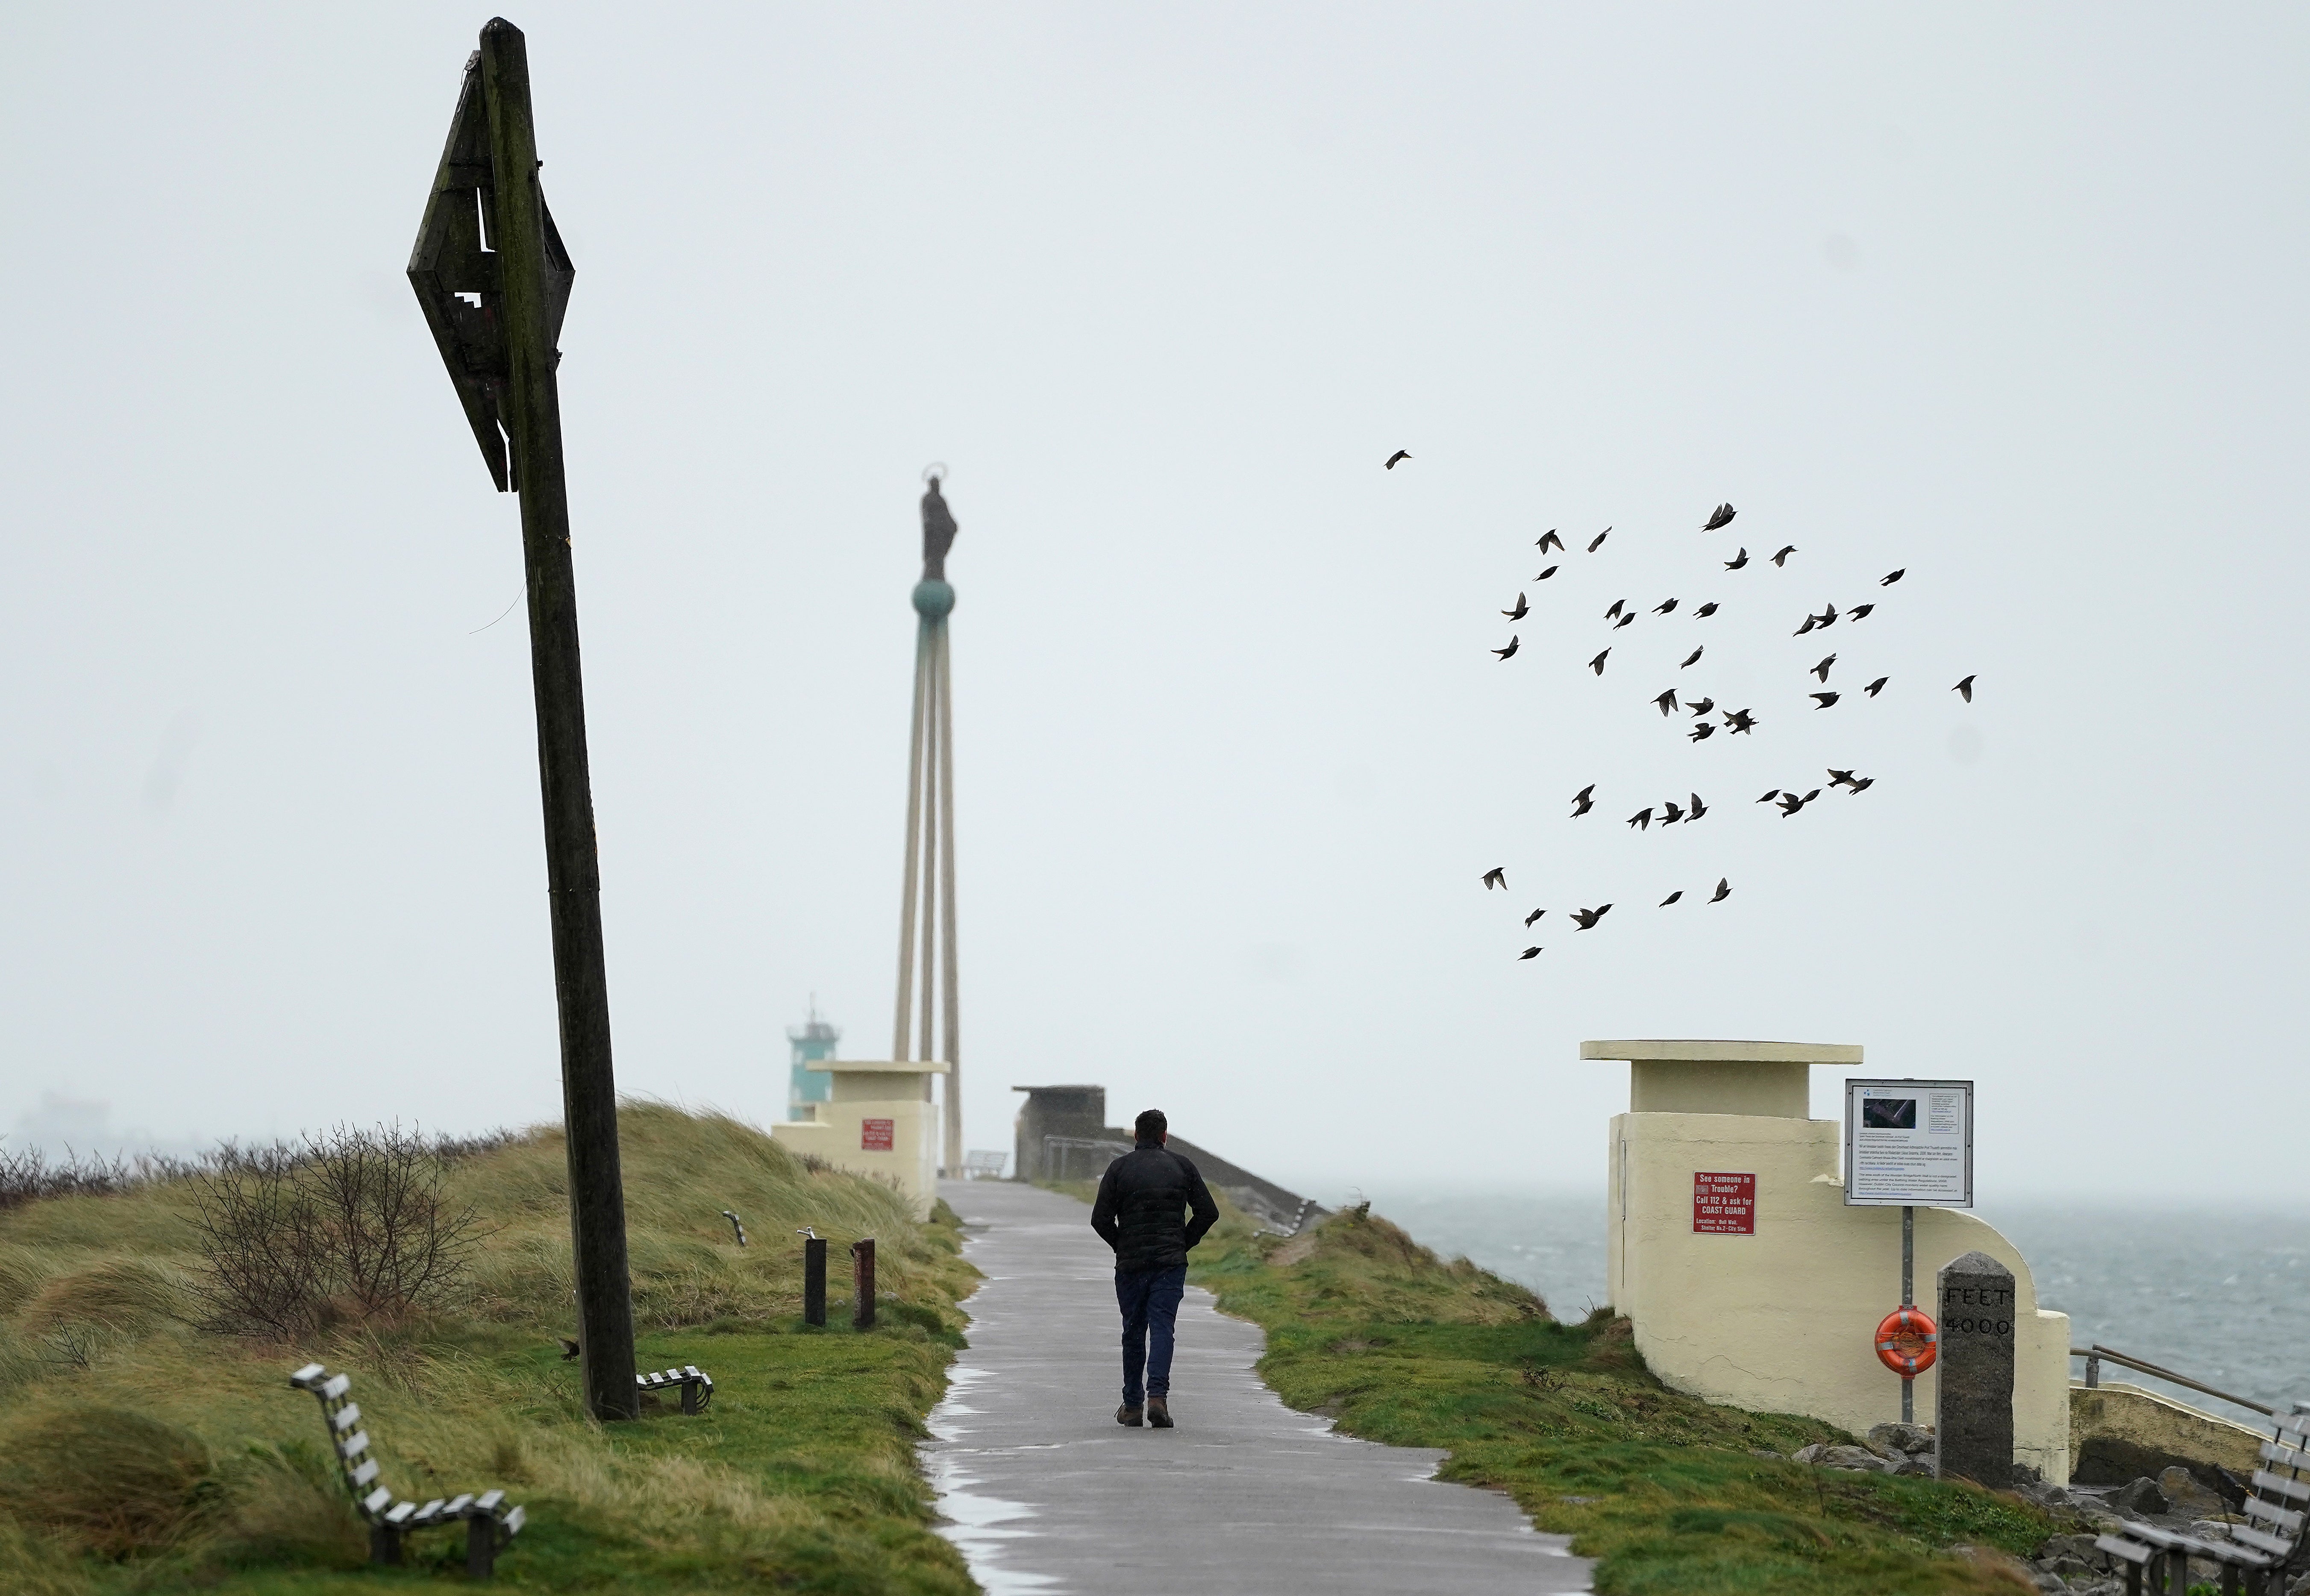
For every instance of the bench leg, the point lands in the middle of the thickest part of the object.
(385, 1545)
(481, 1547)
(690, 1396)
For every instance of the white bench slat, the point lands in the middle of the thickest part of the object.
(400, 1514)
(303, 1378)
(487, 1502)
(2296, 1423)
(337, 1385)
(430, 1512)
(352, 1446)
(2285, 1457)
(376, 1500)
(457, 1505)
(365, 1473)
(513, 1521)
(2277, 1545)
(2285, 1518)
(2296, 1490)
(2132, 1551)
(345, 1418)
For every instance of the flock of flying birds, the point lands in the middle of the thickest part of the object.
(1731, 722)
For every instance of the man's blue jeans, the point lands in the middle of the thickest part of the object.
(1150, 1301)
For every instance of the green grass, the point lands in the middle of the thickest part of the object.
(140, 1453)
(1663, 1489)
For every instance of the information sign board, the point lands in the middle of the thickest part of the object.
(875, 1135)
(1723, 1204)
(1908, 1143)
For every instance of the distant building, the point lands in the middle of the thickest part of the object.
(806, 1088)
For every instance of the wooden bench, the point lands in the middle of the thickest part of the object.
(697, 1387)
(984, 1166)
(2251, 1552)
(491, 1523)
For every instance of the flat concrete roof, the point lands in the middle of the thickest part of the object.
(1058, 1088)
(878, 1066)
(1725, 1052)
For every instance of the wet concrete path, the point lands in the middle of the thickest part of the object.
(1046, 1493)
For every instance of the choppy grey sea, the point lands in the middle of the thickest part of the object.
(2218, 1293)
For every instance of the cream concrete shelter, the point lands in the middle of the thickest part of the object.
(880, 1122)
(1783, 1320)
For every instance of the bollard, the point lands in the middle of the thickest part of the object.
(1973, 1405)
(862, 1284)
(813, 1280)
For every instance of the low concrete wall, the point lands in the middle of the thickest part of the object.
(2120, 1432)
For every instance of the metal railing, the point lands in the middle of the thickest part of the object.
(1060, 1166)
(2096, 1355)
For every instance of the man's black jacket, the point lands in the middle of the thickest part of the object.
(1140, 1212)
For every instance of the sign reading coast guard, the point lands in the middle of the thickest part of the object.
(1973, 1404)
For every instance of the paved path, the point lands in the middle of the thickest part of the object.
(1046, 1493)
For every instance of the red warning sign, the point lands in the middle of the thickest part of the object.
(1723, 1204)
(875, 1135)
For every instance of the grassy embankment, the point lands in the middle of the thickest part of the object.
(1666, 1491)
(138, 1452)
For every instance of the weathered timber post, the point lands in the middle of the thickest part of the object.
(813, 1280)
(1973, 1402)
(501, 358)
(862, 1284)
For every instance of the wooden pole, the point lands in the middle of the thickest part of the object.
(898, 1028)
(946, 906)
(589, 1093)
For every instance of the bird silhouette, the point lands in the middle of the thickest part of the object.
(1702, 733)
(1722, 515)
(1822, 670)
(1810, 622)
(1597, 541)
(1624, 620)
(1862, 785)
(1597, 665)
(1737, 561)
(569, 1348)
(1586, 918)
(1768, 797)
(1497, 876)
(1791, 803)
(1828, 615)
(1520, 611)
(1876, 687)
(1664, 607)
(1783, 557)
(1545, 574)
(1704, 707)
(1823, 700)
(1642, 819)
(1965, 689)
(1739, 721)
(1398, 455)
(1618, 605)
(1510, 649)
(1670, 814)
(1580, 801)
(1530, 953)
(1840, 779)
(1697, 809)
(1859, 612)
(1667, 701)
(1895, 576)
(1535, 914)
(1549, 540)
(1671, 898)
(1705, 610)
(1724, 890)
(1693, 656)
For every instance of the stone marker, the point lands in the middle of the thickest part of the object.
(1973, 1403)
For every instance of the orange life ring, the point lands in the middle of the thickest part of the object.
(1908, 1342)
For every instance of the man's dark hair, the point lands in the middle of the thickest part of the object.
(1150, 1126)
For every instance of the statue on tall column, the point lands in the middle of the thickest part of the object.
(938, 534)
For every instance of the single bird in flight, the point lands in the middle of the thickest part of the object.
(1840, 779)
(1705, 706)
(569, 1348)
(1894, 577)
(1694, 657)
(1702, 733)
(1618, 605)
(1549, 540)
(1724, 890)
(1588, 918)
(1520, 611)
(1597, 665)
(1642, 819)
(1865, 782)
(1667, 701)
(1876, 687)
(1791, 803)
(1545, 574)
(1811, 621)
(1768, 797)
(1510, 649)
(1529, 953)
(1737, 561)
(1624, 620)
(1824, 700)
(1671, 898)
(1597, 541)
(1828, 615)
(1722, 515)
(1739, 721)
(1664, 607)
(1964, 687)
(1705, 610)
(1822, 670)
(1580, 802)
(1398, 455)
(1497, 876)
(1535, 914)
(1670, 814)
(1859, 612)
(1783, 557)
(1697, 809)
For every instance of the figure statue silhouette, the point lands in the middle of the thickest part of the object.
(938, 534)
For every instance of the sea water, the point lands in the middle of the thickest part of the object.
(2213, 1293)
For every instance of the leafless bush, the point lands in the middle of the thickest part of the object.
(347, 1223)
(27, 1177)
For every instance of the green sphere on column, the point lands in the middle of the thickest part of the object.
(934, 599)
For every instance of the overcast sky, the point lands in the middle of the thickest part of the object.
(2011, 298)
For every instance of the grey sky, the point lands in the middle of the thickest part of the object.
(2011, 297)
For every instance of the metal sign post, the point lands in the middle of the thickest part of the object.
(493, 279)
(1910, 1143)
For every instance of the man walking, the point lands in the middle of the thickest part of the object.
(1142, 1212)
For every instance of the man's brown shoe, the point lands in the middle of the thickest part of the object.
(1129, 1415)
(1159, 1412)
